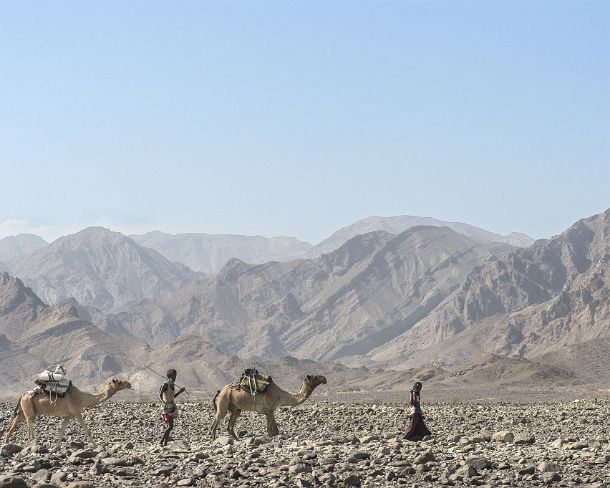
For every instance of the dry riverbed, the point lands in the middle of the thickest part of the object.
(323, 444)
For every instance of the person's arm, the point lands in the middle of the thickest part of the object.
(162, 390)
(181, 390)
(413, 399)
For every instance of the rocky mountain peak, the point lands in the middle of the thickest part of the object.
(232, 270)
(14, 293)
(100, 268)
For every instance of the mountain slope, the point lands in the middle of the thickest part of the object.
(556, 292)
(398, 224)
(13, 247)
(99, 268)
(339, 305)
(35, 336)
(209, 253)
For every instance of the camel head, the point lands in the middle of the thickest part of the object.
(113, 385)
(311, 382)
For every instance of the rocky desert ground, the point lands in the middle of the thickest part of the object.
(324, 443)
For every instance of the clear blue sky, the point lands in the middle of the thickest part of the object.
(296, 118)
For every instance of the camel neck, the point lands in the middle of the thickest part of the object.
(294, 399)
(92, 399)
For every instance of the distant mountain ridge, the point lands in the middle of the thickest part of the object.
(99, 268)
(208, 253)
(398, 224)
(12, 247)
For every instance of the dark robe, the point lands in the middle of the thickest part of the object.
(417, 430)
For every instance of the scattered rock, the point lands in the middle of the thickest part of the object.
(312, 451)
(547, 467)
(466, 471)
(352, 479)
(224, 440)
(299, 468)
(84, 454)
(9, 450)
(478, 462)
(12, 482)
(503, 436)
(524, 439)
(424, 458)
(550, 477)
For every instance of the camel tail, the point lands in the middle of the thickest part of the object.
(214, 401)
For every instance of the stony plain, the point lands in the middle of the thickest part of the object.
(324, 443)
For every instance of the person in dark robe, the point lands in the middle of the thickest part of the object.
(167, 394)
(417, 430)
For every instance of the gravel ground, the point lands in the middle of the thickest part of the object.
(323, 444)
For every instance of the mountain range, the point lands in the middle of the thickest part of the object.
(340, 304)
(208, 253)
(36, 336)
(426, 301)
(532, 301)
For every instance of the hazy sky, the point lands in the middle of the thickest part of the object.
(300, 117)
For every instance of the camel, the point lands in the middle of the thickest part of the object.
(68, 407)
(234, 400)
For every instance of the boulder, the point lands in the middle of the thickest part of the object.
(503, 436)
(9, 450)
(547, 467)
(352, 479)
(466, 471)
(12, 482)
(478, 462)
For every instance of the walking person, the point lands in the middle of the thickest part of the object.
(417, 430)
(167, 395)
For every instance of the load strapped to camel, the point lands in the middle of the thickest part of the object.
(253, 382)
(53, 382)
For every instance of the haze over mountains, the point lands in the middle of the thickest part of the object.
(12, 247)
(99, 268)
(466, 306)
(208, 253)
(396, 225)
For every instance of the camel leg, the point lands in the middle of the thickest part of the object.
(31, 436)
(13, 427)
(222, 407)
(231, 425)
(217, 421)
(83, 425)
(27, 409)
(271, 424)
(62, 429)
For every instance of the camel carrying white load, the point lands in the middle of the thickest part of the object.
(54, 382)
(48, 376)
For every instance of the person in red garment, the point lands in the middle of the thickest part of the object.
(167, 394)
(417, 430)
